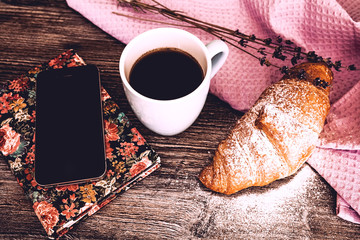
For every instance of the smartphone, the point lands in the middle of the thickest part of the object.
(69, 132)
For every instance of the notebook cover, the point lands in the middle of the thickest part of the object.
(129, 156)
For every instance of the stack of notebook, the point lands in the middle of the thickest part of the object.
(129, 157)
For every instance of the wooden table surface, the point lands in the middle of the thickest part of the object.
(171, 203)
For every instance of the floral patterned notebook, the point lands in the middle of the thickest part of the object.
(129, 157)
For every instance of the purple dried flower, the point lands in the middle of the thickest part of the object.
(294, 60)
(284, 70)
(302, 74)
(262, 51)
(337, 65)
(243, 42)
(297, 49)
(320, 83)
(278, 53)
(351, 67)
(267, 41)
(311, 56)
(329, 62)
(264, 61)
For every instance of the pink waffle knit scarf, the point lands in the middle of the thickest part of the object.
(329, 27)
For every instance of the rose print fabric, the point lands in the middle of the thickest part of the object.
(129, 157)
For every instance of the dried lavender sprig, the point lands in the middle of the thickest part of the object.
(282, 49)
(213, 29)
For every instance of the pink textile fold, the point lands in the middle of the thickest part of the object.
(329, 27)
(345, 211)
(337, 159)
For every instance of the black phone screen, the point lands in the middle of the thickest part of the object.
(69, 139)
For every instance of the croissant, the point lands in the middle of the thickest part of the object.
(277, 135)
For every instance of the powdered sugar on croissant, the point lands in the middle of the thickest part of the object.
(276, 136)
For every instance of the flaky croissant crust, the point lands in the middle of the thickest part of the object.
(276, 136)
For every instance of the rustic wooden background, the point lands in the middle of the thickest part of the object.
(171, 203)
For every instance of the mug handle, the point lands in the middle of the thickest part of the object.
(218, 52)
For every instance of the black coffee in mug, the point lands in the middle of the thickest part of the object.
(165, 74)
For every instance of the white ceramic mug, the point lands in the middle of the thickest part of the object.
(170, 117)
